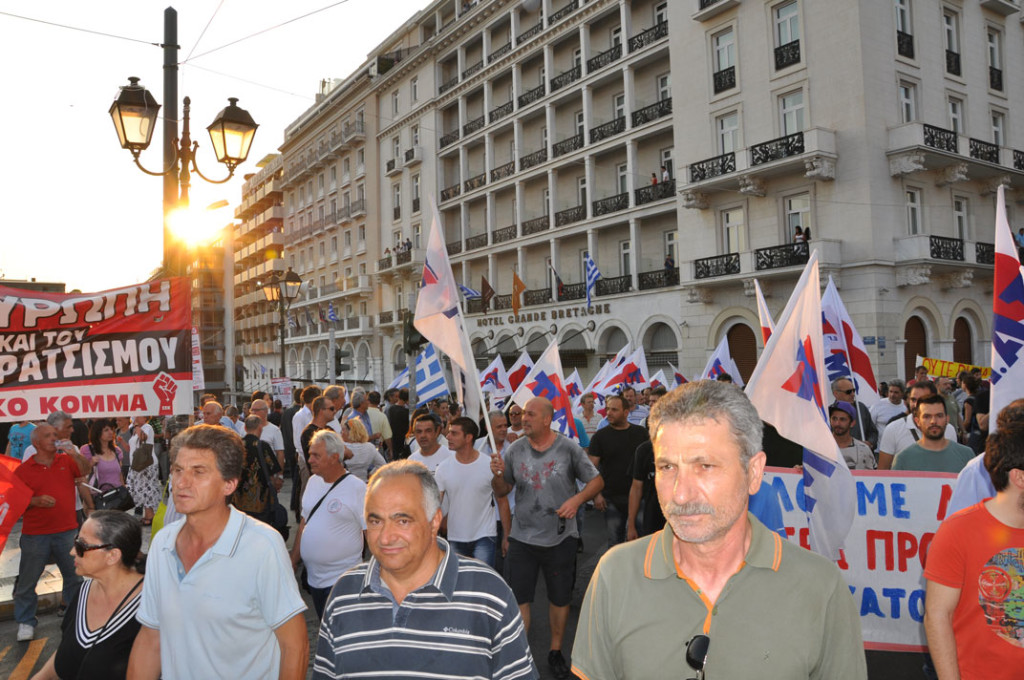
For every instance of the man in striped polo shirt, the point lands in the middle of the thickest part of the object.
(417, 606)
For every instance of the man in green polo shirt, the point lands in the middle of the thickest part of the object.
(932, 452)
(714, 570)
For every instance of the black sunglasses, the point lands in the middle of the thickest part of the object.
(82, 547)
(697, 654)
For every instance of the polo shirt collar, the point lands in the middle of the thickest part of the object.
(229, 537)
(765, 551)
(443, 580)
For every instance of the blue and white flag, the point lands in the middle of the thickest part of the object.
(721, 362)
(291, 321)
(1007, 317)
(469, 293)
(430, 382)
(331, 316)
(401, 380)
(592, 274)
(789, 389)
(263, 371)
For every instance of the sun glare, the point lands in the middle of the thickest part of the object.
(196, 226)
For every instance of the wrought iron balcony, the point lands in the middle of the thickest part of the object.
(724, 79)
(356, 129)
(564, 12)
(662, 278)
(570, 215)
(651, 35)
(614, 285)
(787, 55)
(537, 296)
(943, 248)
(656, 192)
(500, 52)
(404, 257)
(451, 192)
(536, 225)
(472, 70)
(475, 306)
(448, 84)
(572, 291)
(535, 158)
(772, 150)
(476, 181)
(389, 166)
(953, 62)
(504, 234)
(712, 167)
(500, 112)
(609, 129)
(567, 146)
(530, 96)
(719, 265)
(502, 302)
(655, 111)
(940, 138)
(503, 171)
(563, 79)
(358, 207)
(995, 78)
(1018, 160)
(449, 138)
(385, 317)
(611, 204)
(530, 32)
(984, 151)
(413, 155)
(905, 44)
(985, 253)
(454, 247)
(473, 125)
(704, 4)
(384, 263)
(604, 58)
(478, 241)
(786, 255)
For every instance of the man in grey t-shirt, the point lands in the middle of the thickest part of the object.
(542, 467)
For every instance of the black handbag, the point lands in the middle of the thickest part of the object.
(113, 498)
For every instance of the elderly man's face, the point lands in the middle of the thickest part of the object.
(44, 438)
(515, 415)
(499, 426)
(845, 391)
(398, 531)
(319, 459)
(197, 483)
(64, 429)
(212, 414)
(895, 395)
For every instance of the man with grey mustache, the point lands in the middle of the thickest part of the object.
(710, 589)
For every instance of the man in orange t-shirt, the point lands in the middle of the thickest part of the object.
(974, 603)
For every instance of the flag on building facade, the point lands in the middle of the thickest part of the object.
(469, 293)
(559, 287)
(331, 315)
(321, 313)
(763, 315)
(291, 321)
(1007, 317)
(309, 318)
(721, 362)
(545, 380)
(845, 353)
(592, 273)
(519, 370)
(486, 291)
(518, 288)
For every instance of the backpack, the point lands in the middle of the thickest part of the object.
(251, 496)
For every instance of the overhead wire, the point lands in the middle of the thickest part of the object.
(79, 28)
(205, 28)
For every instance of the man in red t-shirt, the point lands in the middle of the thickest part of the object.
(49, 525)
(975, 573)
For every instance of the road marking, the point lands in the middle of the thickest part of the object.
(28, 662)
(3, 652)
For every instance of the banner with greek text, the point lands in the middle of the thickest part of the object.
(896, 517)
(940, 368)
(121, 352)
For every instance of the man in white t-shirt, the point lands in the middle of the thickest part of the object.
(465, 482)
(515, 422)
(884, 410)
(329, 540)
(427, 429)
(271, 433)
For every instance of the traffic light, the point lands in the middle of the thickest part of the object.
(412, 339)
(340, 367)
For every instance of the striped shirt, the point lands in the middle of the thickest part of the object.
(463, 623)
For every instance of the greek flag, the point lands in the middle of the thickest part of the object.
(469, 293)
(592, 274)
(330, 312)
(291, 321)
(430, 382)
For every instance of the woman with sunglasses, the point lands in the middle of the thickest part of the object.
(365, 456)
(100, 626)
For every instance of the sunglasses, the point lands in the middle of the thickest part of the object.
(851, 391)
(82, 547)
(697, 654)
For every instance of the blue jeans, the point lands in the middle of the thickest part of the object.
(615, 523)
(482, 549)
(36, 551)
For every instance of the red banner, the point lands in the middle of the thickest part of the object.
(121, 352)
(14, 497)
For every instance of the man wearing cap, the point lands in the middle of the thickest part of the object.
(857, 454)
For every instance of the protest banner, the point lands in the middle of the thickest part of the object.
(896, 517)
(120, 352)
(940, 368)
(14, 497)
(198, 377)
(281, 388)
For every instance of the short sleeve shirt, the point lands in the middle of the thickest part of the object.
(56, 480)
(271, 434)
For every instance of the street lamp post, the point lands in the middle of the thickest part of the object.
(282, 290)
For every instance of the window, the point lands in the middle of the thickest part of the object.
(666, 161)
(670, 245)
(618, 106)
(995, 59)
(396, 147)
(346, 167)
(664, 88)
(333, 177)
(951, 30)
(348, 238)
(791, 112)
(362, 233)
(580, 128)
(415, 135)
(998, 128)
(396, 196)
(417, 232)
(625, 258)
(394, 103)
(577, 58)
(907, 93)
(546, 199)
(398, 238)
(733, 236)
(415, 187)
(724, 45)
(660, 13)
(959, 217)
(728, 130)
(902, 8)
(955, 107)
(583, 264)
(581, 191)
(787, 24)
(334, 246)
(798, 213)
(621, 172)
(616, 36)
(913, 204)
(414, 88)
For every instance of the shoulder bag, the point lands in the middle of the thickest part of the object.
(303, 576)
(275, 515)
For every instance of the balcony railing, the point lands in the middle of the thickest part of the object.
(404, 257)
(719, 265)
(943, 248)
(476, 182)
(389, 165)
(537, 296)
(358, 207)
(473, 125)
(478, 241)
(940, 138)
(530, 32)
(385, 317)
(449, 138)
(712, 167)
(995, 78)
(451, 192)
(472, 70)
(653, 112)
(614, 285)
(564, 12)
(570, 215)
(984, 253)
(609, 129)
(384, 263)
(572, 291)
(655, 192)
(772, 150)
(653, 34)
(503, 171)
(984, 151)
(611, 204)
(953, 62)
(502, 302)
(724, 79)
(536, 225)
(787, 255)
(448, 84)
(704, 4)
(1018, 159)
(475, 306)
(500, 112)
(787, 55)
(504, 234)
(563, 79)
(500, 52)
(535, 158)
(605, 58)
(662, 278)
(567, 146)
(356, 129)
(905, 44)
(454, 247)
(530, 96)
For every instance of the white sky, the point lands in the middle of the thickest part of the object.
(75, 207)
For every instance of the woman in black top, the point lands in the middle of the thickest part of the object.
(100, 626)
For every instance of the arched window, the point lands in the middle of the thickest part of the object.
(963, 342)
(743, 347)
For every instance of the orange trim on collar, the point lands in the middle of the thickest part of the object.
(778, 552)
(650, 554)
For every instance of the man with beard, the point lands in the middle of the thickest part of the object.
(857, 454)
(932, 452)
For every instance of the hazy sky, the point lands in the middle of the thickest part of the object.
(75, 207)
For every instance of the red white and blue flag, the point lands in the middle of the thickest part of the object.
(1007, 317)
(845, 353)
(677, 376)
(763, 315)
(789, 390)
(545, 380)
(495, 380)
(630, 373)
(574, 386)
(519, 369)
(721, 362)
(659, 379)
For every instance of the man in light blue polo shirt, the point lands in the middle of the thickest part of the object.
(219, 599)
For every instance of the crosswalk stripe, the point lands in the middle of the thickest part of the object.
(28, 662)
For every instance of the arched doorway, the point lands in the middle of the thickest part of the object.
(963, 342)
(916, 337)
(614, 340)
(743, 348)
(660, 346)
